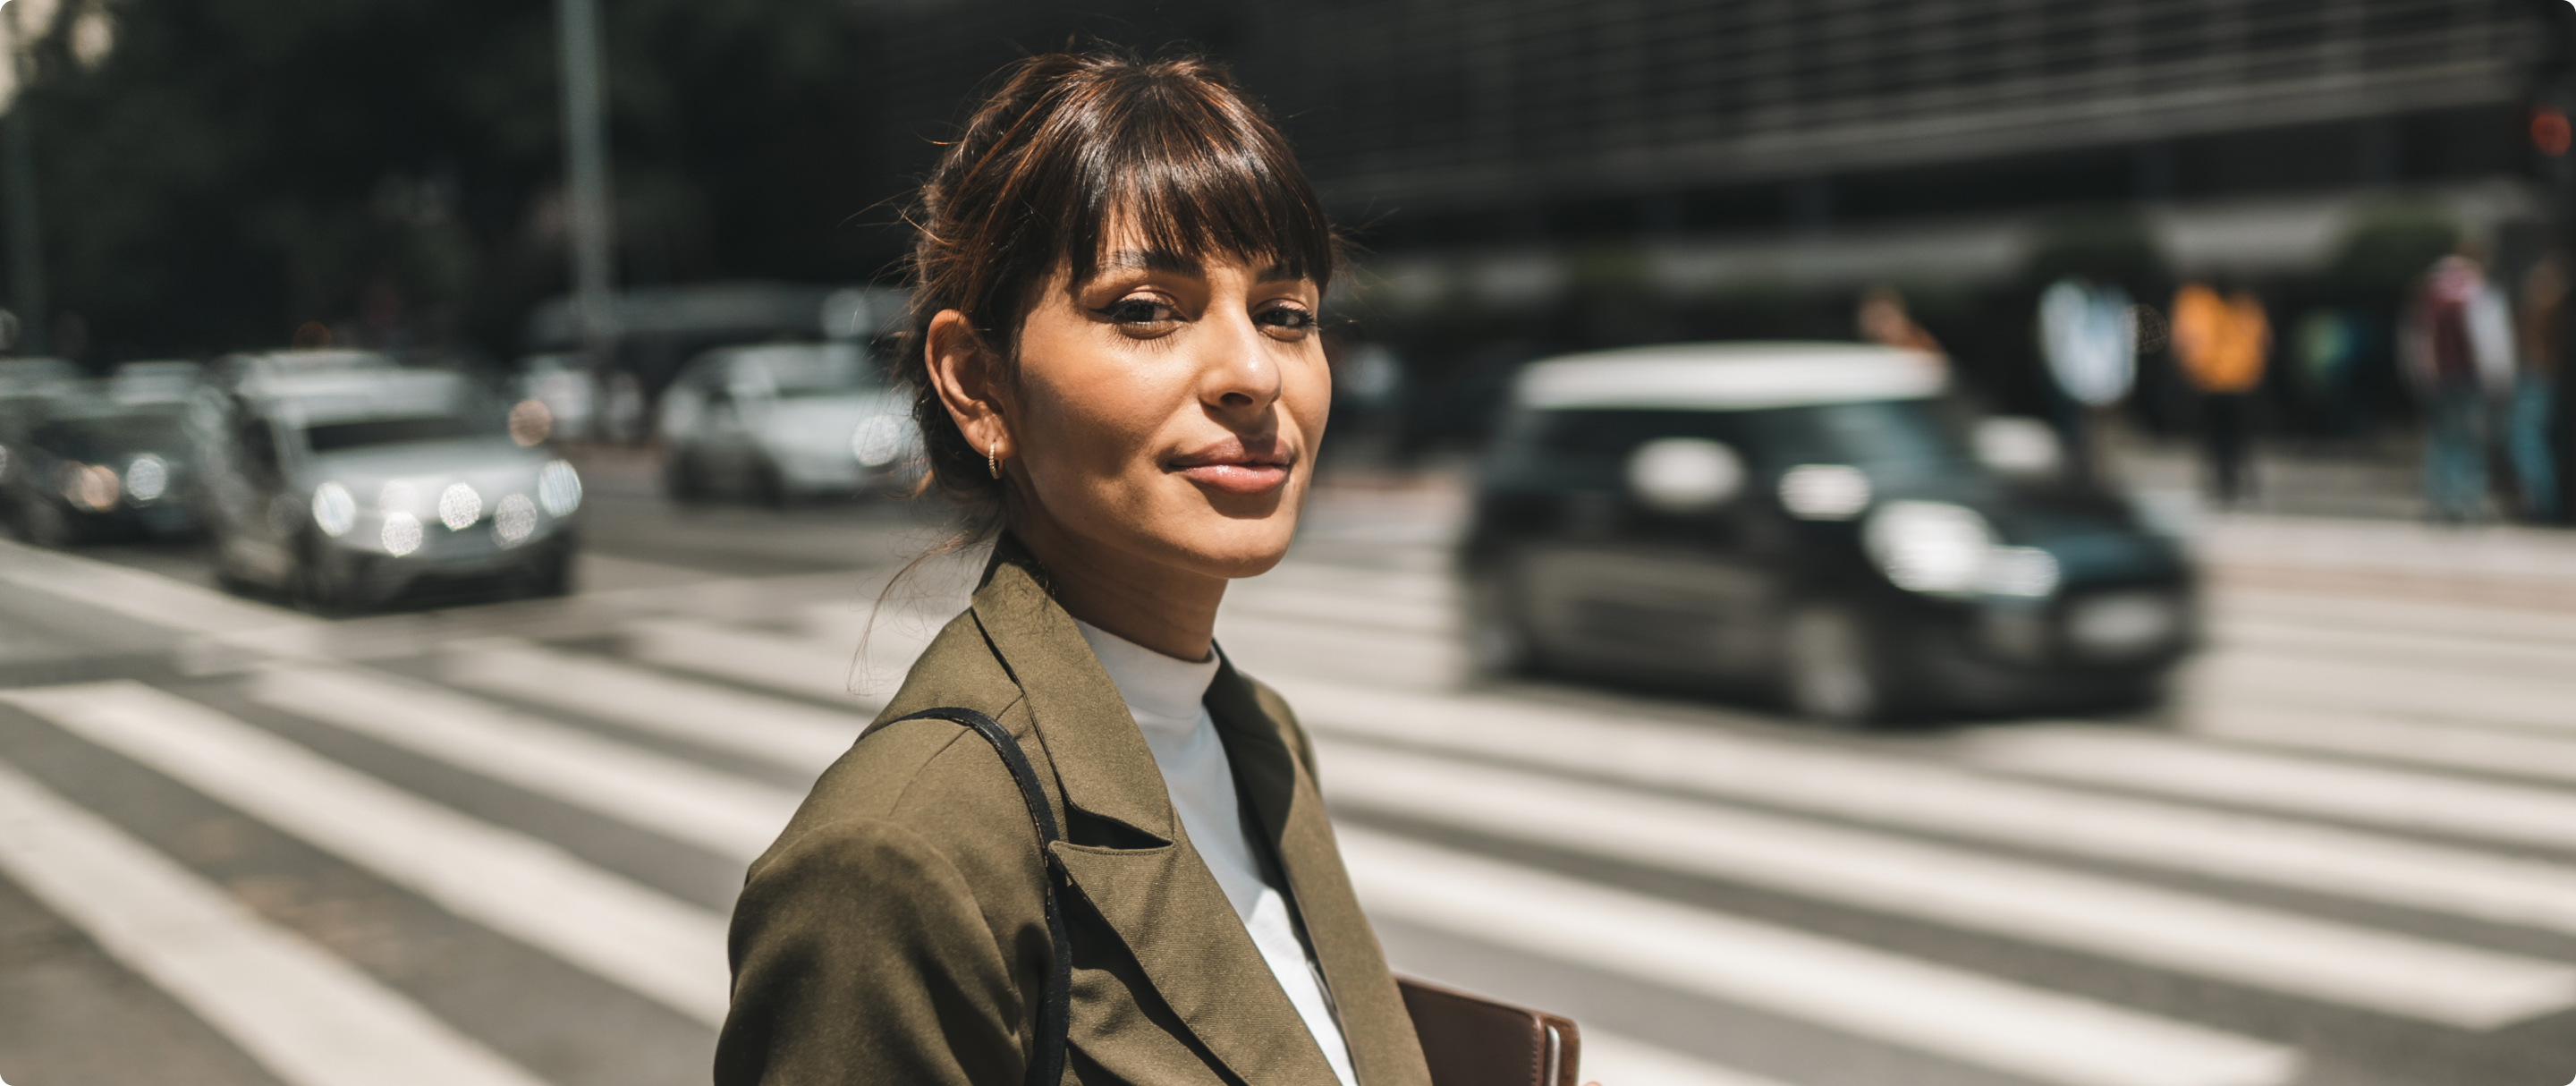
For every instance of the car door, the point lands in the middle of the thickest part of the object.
(253, 516)
(1656, 567)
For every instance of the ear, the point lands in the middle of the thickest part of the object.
(968, 382)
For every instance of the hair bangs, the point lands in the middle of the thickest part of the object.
(1198, 176)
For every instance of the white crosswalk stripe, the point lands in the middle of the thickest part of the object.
(2402, 802)
(731, 816)
(2188, 933)
(2246, 848)
(1614, 1057)
(2418, 691)
(789, 734)
(786, 662)
(2447, 746)
(1975, 1019)
(2404, 799)
(522, 887)
(310, 1018)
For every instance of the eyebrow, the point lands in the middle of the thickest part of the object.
(1161, 260)
(1164, 260)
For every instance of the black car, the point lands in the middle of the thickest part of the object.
(1813, 519)
(102, 467)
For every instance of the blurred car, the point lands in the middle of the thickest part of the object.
(567, 395)
(782, 421)
(158, 380)
(102, 466)
(1811, 518)
(345, 480)
(27, 385)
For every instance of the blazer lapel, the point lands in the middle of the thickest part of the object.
(1165, 907)
(1281, 790)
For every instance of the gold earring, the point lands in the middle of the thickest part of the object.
(993, 461)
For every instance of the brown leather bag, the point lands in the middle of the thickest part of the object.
(1474, 1041)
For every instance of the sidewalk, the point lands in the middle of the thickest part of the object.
(2293, 479)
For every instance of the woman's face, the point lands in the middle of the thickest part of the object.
(1169, 410)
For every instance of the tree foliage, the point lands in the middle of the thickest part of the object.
(233, 168)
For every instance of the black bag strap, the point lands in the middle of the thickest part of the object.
(1046, 1061)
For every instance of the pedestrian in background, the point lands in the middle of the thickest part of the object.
(1883, 319)
(2221, 344)
(2328, 347)
(2535, 390)
(2089, 336)
(2458, 348)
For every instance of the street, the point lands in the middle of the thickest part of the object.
(495, 845)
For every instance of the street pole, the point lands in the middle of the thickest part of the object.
(26, 250)
(586, 176)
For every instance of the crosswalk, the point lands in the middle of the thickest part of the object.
(2297, 858)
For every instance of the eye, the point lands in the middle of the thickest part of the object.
(1140, 310)
(1285, 319)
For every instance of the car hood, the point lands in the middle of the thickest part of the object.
(493, 467)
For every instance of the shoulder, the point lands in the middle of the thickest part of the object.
(928, 784)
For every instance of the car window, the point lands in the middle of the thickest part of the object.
(1589, 449)
(257, 443)
(1893, 437)
(107, 437)
(808, 371)
(367, 433)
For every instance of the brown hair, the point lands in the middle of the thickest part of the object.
(1069, 142)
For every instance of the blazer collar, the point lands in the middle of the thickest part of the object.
(1099, 757)
(1161, 901)
(1280, 791)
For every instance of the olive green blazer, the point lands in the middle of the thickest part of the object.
(896, 931)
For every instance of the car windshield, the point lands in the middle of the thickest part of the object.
(106, 437)
(331, 437)
(1916, 436)
(807, 372)
(1589, 448)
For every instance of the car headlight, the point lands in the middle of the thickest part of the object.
(2027, 572)
(1824, 491)
(559, 488)
(1929, 546)
(459, 507)
(90, 486)
(334, 511)
(148, 477)
(514, 520)
(401, 534)
(878, 441)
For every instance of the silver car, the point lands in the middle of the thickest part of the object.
(345, 480)
(782, 421)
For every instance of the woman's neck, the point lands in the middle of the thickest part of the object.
(1166, 608)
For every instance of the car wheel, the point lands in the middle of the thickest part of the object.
(683, 480)
(1497, 637)
(769, 485)
(313, 586)
(48, 526)
(1832, 674)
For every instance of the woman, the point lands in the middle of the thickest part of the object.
(1114, 353)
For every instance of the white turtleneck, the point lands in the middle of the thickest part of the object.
(1167, 698)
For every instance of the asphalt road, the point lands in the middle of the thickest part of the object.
(494, 845)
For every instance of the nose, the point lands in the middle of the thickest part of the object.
(1239, 367)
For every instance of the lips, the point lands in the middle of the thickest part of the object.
(1231, 468)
